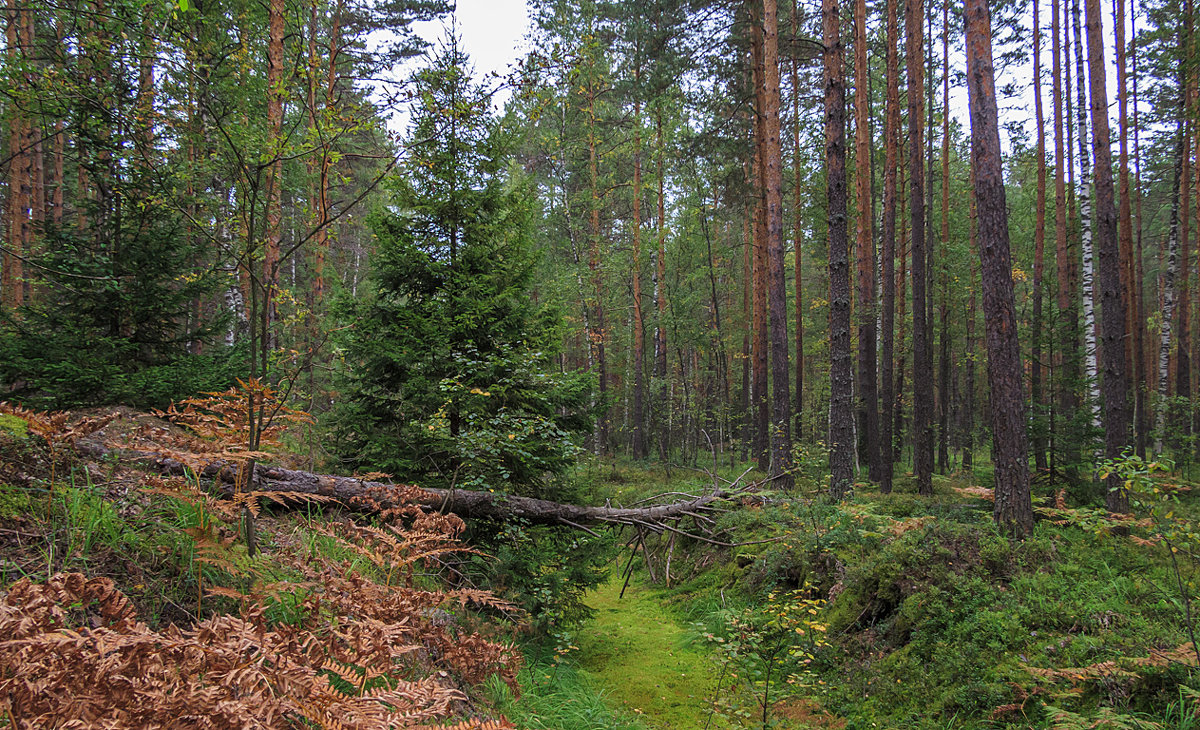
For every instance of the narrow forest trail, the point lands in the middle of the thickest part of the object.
(639, 655)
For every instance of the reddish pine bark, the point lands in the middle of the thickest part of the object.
(868, 397)
(922, 351)
(781, 419)
(760, 347)
(1039, 237)
(797, 210)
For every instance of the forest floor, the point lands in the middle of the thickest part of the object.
(882, 611)
(643, 659)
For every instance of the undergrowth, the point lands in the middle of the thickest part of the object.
(906, 611)
(136, 602)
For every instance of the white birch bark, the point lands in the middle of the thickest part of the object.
(1083, 193)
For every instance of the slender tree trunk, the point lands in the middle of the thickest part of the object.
(274, 212)
(1091, 351)
(1013, 509)
(1146, 349)
(1065, 361)
(599, 334)
(1039, 237)
(1134, 324)
(1112, 292)
(1167, 286)
(891, 131)
(841, 385)
(748, 314)
(321, 239)
(12, 289)
(943, 309)
(922, 352)
(760, 348)
(660, 290)
(868, 396)
(968, 457)
(901, 317)
(1181, 421)
(781, 417)
(797, 234)
(639, 337)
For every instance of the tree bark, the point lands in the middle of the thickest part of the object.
(637, 431)
(760, 347)
(1134, 323)
(891, 131)
(1039, 237)
(943, 402)
(841, 385)
(968, 456)
(1167, 287)
(1013, 509)
(1112, 292)
(797, 231)
(274, 212)
(1083, 194)
(868, 397)
(361, 493)
(781, 418)
(922, 351)
(1065, 360)
(660, 289)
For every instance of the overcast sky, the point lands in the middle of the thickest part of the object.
(493, 33)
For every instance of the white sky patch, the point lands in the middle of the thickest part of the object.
(493, 34)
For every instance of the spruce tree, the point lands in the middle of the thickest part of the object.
(447, 376)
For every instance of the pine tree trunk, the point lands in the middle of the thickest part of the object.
(968, 456)
(760, 347)
(868, 396)
(12, 289)
(1039, 237)
(1065, 362)
(1180, 422)
(781, 417)
(748, 315)
(943, 456)
(891, 131)
(1135, 322)
(1112, 292)
(637, 431)
(660, 293)
(901, 317)
(922, 351)
(274, 212)
(841, 379)
(1146, 351)
(1013, 509)
(797, 236)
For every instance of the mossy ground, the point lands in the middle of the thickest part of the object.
(634, 649)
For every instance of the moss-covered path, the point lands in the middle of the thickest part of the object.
(636, 652)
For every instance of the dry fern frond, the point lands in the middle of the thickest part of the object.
(477, 724)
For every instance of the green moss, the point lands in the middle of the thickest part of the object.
(14, 502)
(634, 650)
(13, 426)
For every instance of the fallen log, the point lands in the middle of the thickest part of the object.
(353, 491)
